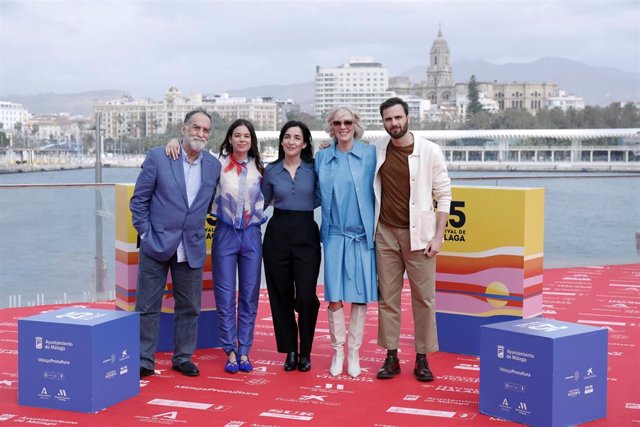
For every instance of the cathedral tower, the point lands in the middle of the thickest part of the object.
(439, 87)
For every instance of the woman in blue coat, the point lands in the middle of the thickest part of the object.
(345, 181)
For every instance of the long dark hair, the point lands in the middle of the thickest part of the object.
(307, 152)
(227, 149)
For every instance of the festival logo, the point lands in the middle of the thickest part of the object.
(80, 315)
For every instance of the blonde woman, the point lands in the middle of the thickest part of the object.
(345, 181)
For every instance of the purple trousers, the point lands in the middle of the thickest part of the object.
(236, 253)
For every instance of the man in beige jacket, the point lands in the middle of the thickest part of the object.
(413, 195)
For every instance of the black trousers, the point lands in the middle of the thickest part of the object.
(291, 253)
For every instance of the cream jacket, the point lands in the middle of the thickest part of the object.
(429, 182)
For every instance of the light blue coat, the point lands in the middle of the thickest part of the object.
(363, 164)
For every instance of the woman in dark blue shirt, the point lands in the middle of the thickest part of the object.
(291, 247)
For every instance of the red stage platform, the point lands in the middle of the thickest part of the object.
(600, 296)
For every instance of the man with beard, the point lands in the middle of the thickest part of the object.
(413, 194)
(169, 206)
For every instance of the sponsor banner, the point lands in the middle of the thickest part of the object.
(491, 263)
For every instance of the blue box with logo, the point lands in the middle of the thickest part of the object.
(78, 359)
(543, 372)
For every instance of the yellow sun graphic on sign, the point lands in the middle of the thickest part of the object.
(498, 289)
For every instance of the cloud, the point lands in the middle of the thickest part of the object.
(145, 46)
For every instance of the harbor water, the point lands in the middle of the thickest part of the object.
(48, 246)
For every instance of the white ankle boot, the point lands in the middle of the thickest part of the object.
(356, 331)
(338, 334)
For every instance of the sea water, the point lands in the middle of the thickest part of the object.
(48, 234)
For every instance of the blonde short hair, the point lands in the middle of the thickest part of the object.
(358, 127)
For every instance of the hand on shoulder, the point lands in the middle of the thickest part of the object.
(172, 149)
(324, 144)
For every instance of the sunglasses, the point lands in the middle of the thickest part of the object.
(338, 123)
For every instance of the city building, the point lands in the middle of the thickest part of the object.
(404, 88)
(529, 96)
(441, 90)
(139, 118)
(462, 103)
(283, 108)
(261, 112)
(60, 127)
(565, 102)
(419, 109)
(361, 84)
(12, 114)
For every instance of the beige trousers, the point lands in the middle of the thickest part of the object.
(394, 256)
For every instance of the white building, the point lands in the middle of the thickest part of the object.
(487, 104)
(10, 114)
(261, 112)
(361, 84)
(418, 109)
(565, 102)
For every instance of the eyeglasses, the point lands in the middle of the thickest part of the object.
(338, 123)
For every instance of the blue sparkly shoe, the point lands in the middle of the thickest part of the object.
(231, 367)
(245, 365)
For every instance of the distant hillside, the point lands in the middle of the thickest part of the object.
(597, 85)
(72, 103)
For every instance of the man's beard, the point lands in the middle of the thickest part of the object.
(197, 144)
(399, 133)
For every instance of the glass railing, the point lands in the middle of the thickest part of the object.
(58, 240)
(57, 243)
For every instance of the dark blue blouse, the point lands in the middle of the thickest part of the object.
(297, 194)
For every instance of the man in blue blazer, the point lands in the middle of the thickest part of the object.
(169, 206)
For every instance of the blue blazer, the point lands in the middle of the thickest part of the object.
(160, 208)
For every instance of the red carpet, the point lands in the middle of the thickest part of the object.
(600, 296)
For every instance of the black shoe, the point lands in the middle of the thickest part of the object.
(390, 368)
(422, 371)
(144, 372)
(187, 368)
(305, 363)
(291, 363)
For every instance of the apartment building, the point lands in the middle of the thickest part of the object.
(360, 83)
(138, 118)
(10, 114)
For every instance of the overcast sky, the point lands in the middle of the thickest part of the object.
(208, 46)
